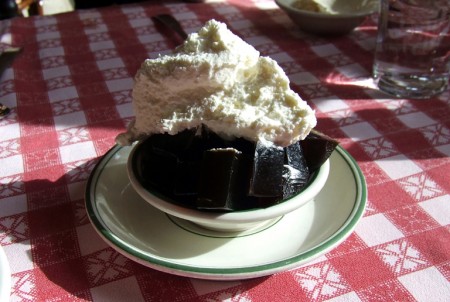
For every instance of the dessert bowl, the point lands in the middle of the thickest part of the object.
(234, 221)
(328, 17)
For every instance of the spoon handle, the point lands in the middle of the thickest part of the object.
(171, 23)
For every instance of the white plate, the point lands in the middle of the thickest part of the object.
(5, 277)
(148, 236)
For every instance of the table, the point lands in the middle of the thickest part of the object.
(69, 94)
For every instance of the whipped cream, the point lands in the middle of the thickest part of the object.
(216, 79)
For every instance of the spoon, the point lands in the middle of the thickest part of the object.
(169, 22)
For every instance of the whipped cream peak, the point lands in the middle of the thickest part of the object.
(217, 79)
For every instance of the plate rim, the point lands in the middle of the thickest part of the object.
(226, 273)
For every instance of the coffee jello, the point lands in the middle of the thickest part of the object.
(220, 127)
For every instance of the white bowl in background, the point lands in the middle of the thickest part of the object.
(336, 17)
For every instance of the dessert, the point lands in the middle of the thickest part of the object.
(220, 127)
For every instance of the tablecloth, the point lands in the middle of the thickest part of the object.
(69, 94)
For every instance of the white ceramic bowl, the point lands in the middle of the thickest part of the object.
(336, 18)
(231, 221)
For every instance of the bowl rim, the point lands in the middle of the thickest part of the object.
(287, 7)
(244, 216)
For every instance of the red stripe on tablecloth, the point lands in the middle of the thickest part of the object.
(207, 13)
(434, 245)
(34, 112)
(348, 46)
(128, 46)
(264, 289)
(389, 195)
(440, 174)
(362, 269)
(436, 109)
(84, 72)
(96, 100)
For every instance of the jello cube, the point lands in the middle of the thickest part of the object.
(156, 167)
(267, 177)
(317, 148)
(186, 178)
(221, 180)
(295, 172)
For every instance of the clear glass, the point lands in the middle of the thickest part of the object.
(413, 48)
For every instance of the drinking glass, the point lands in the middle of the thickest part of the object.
(413, 48)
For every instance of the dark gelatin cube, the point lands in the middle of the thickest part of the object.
(170, 143)
(156, 168)
(245, 146)
(181, 141)
(294, 156)
(265, 202)
(210, 140)
(295, 171)
(293, 181)
(190, 144)
(185, 145)
(267, 177)
(220, 186)
(187, 176)
(317, 148)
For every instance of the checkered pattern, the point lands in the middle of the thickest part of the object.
(69, 92)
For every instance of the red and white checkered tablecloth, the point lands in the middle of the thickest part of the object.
(69, 93)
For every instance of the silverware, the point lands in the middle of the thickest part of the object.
(168, 21)
(6, 58)
(4, 111)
